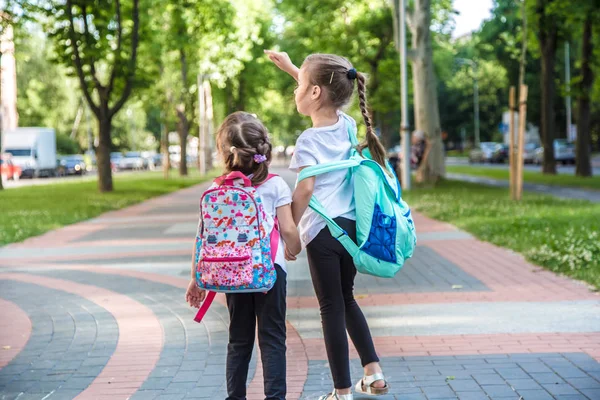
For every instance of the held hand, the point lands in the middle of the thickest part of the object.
(289, 256)
(282, 60)
(194, 296)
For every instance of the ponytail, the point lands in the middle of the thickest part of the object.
(372, 143)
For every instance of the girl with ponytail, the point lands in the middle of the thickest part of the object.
(326, 84)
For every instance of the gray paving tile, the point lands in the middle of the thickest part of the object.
(560, 389)
(498, 390)
(475, 395)
(464, 385)
(492, 379)
(593, 394)
(545, 378)
(524, 384)
(584, 383)
(512, 373)
(570, 372)
(438, 392)
(535, 395)
(64, 329)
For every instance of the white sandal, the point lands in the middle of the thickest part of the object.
(335, 396)
(365, 385)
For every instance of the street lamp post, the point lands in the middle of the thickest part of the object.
(473, 65)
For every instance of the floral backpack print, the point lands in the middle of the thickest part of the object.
(234, 253)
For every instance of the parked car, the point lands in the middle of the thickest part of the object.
(115, 160)
(564, 152)
(487, 152)
(133, 160)
(71, 165)
(529, 153)
(503, 154)
(8, 169)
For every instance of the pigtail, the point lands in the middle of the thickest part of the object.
(372, 143)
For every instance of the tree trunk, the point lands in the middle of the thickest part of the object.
(105, 181)
(427, 114)
(547, 35)
(183, 131)
(548, 116)
(584, 164)
(183, 125)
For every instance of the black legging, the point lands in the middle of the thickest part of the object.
(333, 271)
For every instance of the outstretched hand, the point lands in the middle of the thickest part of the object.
(194, 296)
(283, 62)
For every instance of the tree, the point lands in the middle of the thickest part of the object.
(426, 108)
(98, 43)
(587, 18)
(548, 35)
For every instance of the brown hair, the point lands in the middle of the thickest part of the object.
(240, 137)
(335, 75)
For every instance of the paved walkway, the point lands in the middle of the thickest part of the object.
(96, 311)
(557, 191)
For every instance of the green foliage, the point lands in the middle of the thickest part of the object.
(45, 95)
(561, 235)
(66, 145)
(492, 82)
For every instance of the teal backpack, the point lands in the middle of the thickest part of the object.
(385, 230)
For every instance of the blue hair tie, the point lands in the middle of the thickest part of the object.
(351, 74)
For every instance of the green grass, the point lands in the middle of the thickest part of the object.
(457, 153)
(560, 235)
(33, 210)
(529, 176)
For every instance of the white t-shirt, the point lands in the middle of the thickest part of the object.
(334, 190)
(274, 193)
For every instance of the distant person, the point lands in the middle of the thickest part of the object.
(418, 146)
(228, 258)
(326, 83)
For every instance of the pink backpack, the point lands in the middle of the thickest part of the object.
(234, 253)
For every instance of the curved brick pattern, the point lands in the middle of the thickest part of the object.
(427, 271)
(472, 344)
(135, 355)
(192, 361)
(71, 341)
(532, 376)
(297, 368)
(15, 329)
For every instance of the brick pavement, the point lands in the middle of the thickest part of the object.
(95, 310)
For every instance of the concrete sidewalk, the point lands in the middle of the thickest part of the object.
(96, 311)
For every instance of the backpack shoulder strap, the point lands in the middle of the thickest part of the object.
(266, 180)
(327, 167)
(210, 296)
(351, 131)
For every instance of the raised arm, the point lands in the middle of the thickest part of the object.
(282, 60)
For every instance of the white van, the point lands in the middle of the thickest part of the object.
(32, 149)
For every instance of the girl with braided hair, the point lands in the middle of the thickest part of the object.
(325, 85)
(243, 144)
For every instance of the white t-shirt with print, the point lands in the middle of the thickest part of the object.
(334, 190)
(274, 193)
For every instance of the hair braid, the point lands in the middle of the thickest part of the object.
(375, 147)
